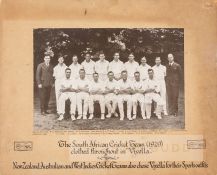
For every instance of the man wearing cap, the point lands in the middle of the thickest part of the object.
(96, 90)
(124, 91)
(138, 95)
(82, 95)
(143, 69)
(101, 67)
(67, 91)
(111, 95)
(159, 75)
(59, 74)
(89, 66)
(44, 78)
(152, 89)
(131, 66)
(116, 66)
(75, 67)
(173, 79)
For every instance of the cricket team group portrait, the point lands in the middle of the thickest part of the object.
(90, 79)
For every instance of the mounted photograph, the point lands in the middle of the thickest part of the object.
(108, 79)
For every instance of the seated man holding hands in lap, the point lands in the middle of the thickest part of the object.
(152, 90)
(96, 90)
(67, 91)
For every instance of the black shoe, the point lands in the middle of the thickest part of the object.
(46, 112)
(43, 113)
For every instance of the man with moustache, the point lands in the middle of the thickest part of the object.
(173, 79)
(44, 78)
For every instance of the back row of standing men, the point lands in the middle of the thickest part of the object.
(102, 67)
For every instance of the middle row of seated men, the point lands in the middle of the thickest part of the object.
(82, 94)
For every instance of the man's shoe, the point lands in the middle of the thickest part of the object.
(85, 117)
(134, 116)
(116, 114)
(46, 112)
(159, 117)
(60, 117)
(144, 117)
(148, 117)
(79, 117)
(108, 115)
(130, 118)
(43, 113)
(73, 117)
(122, 118)
(102, 117)
(165, 113)
(91, 117)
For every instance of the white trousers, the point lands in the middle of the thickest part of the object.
(141, 99)
(82, 98)
(57, 93)
(62, 99)
(111, 102)
(96, 98)
(125, 98)
(149, 97)
(163, 94)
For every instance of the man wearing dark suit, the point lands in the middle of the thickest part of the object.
(173, 77)
(44, 78)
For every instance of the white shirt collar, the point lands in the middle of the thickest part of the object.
(171, 63)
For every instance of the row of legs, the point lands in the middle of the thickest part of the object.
(83, 101)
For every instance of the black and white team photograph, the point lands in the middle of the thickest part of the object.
(108, 78)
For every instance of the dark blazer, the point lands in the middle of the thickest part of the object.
(44, 75)
(173, 76)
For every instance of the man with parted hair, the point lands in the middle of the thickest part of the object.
(111, 95)
(116, 66)
(138, 95)
(67, 91)
(82, 95)
(96, 90)
(152, 90)
(124, 91)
